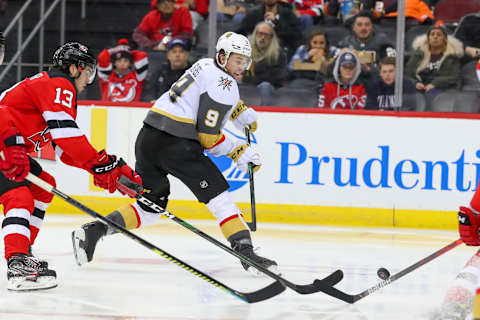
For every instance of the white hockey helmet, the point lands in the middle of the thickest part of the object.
(231, 42)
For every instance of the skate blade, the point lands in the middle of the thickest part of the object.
(79, 253)
(24, 284)
(258, 273)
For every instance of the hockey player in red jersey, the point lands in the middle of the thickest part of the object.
(122, 73)
(183, 122)
(463, 295)
(34, 112)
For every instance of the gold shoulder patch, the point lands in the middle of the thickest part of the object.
(209, 140)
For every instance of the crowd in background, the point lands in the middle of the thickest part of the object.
(294, 52)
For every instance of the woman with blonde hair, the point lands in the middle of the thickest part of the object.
(269, 62)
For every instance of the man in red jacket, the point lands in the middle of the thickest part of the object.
(34, 112)
(162, 24)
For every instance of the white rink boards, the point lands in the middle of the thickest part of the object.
(127, 281)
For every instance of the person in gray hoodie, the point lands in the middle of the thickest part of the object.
(344, 92)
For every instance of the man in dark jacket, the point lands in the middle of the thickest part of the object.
(282, 19)
(381, 91)
(162, 78)
(364, 38)
(468, 31)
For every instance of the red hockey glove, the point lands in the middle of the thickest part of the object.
(106, 170)
(468, 224)
(131, 182)
(14, 162)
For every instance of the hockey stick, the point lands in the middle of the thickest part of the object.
(316, 286)
(252, 225)
(265, 293)
(354, 298)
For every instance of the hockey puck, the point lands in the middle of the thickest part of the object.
(383, 273)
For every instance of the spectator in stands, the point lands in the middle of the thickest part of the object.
(3, 6)
(162, 24)
(435, 64)
(178, 61)
(381, 91)
(269, 62)
(369, 46)
(414, 9)
(346, 10)
(198, 9)
(122, 73)
(308, 66)
(344, 92)
(308, 12)
(281, 17)
(468, 31)
(230, 10)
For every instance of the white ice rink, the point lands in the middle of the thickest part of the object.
(127, 281)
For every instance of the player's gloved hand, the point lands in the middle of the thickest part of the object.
(242, 117)
(243, 155)
(468, 225)
(106, 170)
(14, 162)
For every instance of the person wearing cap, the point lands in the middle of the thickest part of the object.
(345, 92)
(122, 73)
(162, 78)
(435, 66)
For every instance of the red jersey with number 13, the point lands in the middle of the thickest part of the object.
(44, 108)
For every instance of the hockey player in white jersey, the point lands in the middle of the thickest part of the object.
(182, 123)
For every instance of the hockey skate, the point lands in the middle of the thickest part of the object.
(24, 274)
(246, 249)
(85, 240)
(43, 263)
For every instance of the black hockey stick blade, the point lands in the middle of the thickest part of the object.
(352, 298)
(268, 292)
(316, 286)
(275, 288)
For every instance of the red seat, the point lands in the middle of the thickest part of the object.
(454, 10)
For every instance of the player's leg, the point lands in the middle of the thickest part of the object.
(129, 216)
(23, 271)
(41, 200)
(458, 301)
(184, 159)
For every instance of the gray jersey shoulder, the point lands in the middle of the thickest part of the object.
(219, 94)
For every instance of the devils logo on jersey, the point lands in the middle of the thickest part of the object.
(122, 91)
(41, 138)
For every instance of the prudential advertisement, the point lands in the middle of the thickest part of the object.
(318, 159)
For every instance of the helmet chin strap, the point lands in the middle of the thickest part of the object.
(224, 65)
